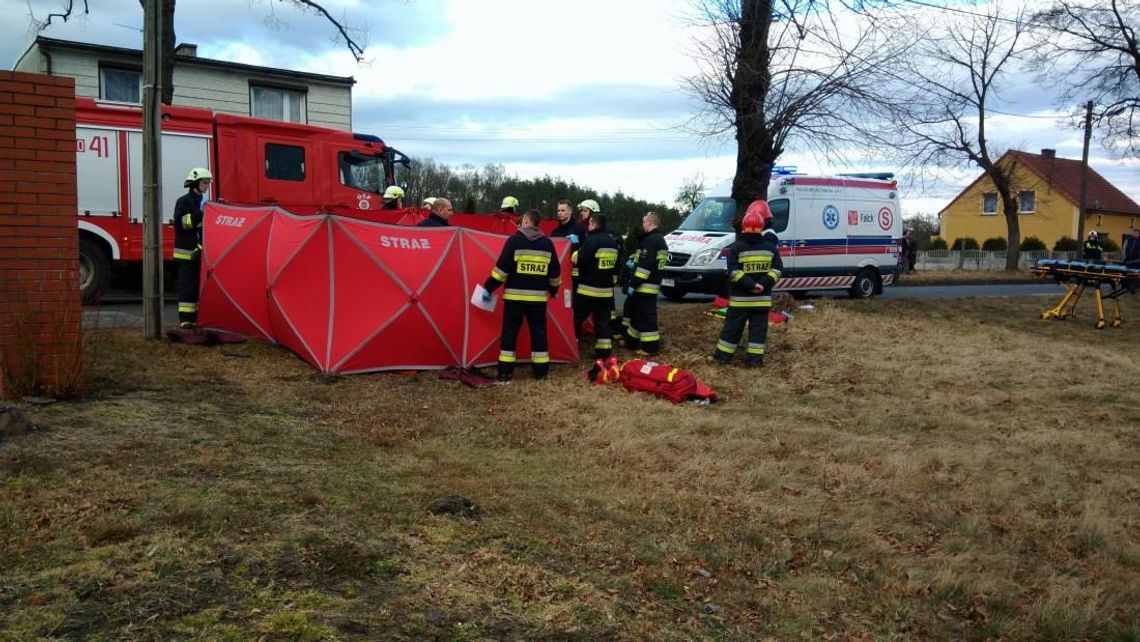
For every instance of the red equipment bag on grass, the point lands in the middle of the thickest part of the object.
(674, 384)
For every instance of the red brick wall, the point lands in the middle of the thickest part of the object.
(40, 309)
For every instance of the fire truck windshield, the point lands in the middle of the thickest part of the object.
(362, 171)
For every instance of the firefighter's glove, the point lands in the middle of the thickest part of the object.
(630, 264)
(486, 297)
(573, 239)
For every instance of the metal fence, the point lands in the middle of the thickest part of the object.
(985, 260)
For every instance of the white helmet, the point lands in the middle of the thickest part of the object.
(590, 204)
(509, 202)
(393, 192)
(197, 174)
(429, 201)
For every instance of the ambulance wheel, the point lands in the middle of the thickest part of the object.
(673, 294)
(864, 285)
(94, 269)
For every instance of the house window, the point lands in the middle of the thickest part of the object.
(1027, 202)
(276, 103)
(284, 162)
(120, 85)
(989, 203)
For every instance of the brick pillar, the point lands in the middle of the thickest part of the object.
(40, 313)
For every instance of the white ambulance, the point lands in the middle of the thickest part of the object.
(836, 232)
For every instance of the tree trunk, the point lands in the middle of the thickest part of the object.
(755, 148)
(1013, 231)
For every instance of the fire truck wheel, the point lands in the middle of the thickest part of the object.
(94, 270)
(864, 285)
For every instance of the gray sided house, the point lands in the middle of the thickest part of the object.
(114, 74)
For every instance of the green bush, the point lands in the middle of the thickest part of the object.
(966, 243)
(995, 244)
(1066, 244)
(938, 244)
(1032, 244)
(1109, 244)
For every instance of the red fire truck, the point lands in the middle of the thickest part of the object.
(301, 168)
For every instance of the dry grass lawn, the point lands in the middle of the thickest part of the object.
(901, 469)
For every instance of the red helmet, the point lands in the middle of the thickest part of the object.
(756, 218)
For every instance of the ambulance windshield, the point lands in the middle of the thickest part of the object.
(362, 171)
(712, 215)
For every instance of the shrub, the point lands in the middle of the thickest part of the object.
(1066, 244)
(938, 244)
(995, 244)
(966, 243)
(1032, 244)
(1109, 244)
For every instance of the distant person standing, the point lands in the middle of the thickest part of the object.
(440, 213)
(596, 263)
(586, 209)
(529, 269)
(570, 229)
(911, 249)
(393, 198)
(643, 334)
(509, 205)
(1093, 250)
(754, 267)
(1130, 253)
(188, 243)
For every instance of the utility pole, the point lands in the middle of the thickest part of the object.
(1084, 176)
(152, 169)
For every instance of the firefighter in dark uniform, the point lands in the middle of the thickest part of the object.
(1093, 250)
(528, 266)
(754, 267)
(652, 256)
(188, 244)
(596, 263)
(393, 198)
(569, 228)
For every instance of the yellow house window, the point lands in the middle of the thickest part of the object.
(1027, 202)
(989, 203)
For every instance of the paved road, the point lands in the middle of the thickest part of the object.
(126, 311)
(939, 291)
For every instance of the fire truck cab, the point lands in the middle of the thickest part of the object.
(302, 168)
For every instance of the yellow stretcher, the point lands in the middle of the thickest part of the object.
(1076, 276)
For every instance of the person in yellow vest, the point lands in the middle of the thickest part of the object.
(188, 243)
(754, 267)
(528, 268)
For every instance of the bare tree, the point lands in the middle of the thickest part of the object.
(690, 194)
(68, 10)
(1092, 48)
(781, 74)
(938, 116)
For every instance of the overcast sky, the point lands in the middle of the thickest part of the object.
(586, 90)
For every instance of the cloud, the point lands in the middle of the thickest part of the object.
(282, 34)
(586, 90)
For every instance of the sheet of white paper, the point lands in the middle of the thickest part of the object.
(477, 299)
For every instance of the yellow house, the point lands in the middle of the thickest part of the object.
(1047, 190)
